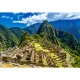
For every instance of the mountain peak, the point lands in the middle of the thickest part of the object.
(45, 21)
(44, 26)
(47, 31)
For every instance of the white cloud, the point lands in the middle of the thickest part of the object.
(74, 15)
(62, 16)
(6, 17)
(11, 18)
(48, 16)
(33, 19)
(28, 24)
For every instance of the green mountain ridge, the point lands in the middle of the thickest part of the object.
(51, 34)
(17, 31)
(49, 47)
(7, 38)
(47, 31)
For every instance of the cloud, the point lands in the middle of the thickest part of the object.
(33, 19)
(62, 16)
(11, 18)
(74, 15)
(6, 17)
(47, 16)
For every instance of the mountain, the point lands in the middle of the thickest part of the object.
(10, 37)
(17, 31)
(71, 26)
(47, 31)
(65, 40)
(7, 38)
(49, 47)
(50, 42)
(54, 35)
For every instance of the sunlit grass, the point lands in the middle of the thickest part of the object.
(53, 55)
(38, 47)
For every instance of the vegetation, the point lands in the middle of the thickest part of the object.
(7, 38)
(49, 47)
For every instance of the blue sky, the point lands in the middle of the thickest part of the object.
(27, 19)
(8, 19)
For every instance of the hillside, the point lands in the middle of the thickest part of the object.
(7, 38)
(17, 31)
(49, 47)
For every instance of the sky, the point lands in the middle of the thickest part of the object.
(26, 19)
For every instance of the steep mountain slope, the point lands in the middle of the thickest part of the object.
(69, 40)
(7, 38)
(18, 32)
(47, 31)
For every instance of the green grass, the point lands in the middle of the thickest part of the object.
(53, 55)
(38, 47)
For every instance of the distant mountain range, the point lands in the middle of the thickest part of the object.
(71, 26)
